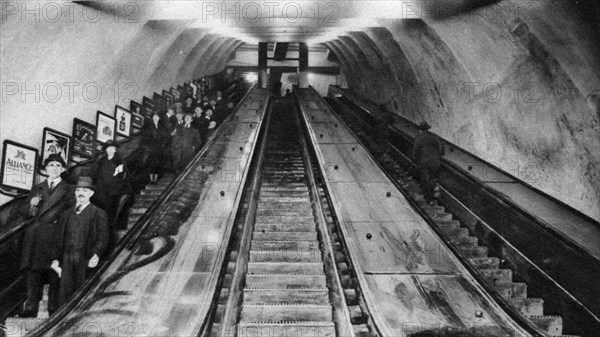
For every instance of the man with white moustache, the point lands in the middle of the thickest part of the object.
(83, 241)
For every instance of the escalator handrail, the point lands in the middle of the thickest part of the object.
(504, 305)
(132, 236)
(540, 222)
(456, 147)
(459, 171)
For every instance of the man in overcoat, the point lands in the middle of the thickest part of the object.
(46, 202)
(427, 153)
(186, 141)
(83, 240)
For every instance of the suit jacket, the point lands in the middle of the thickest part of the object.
(39, 244)
(108, 184)
(93, 224)
(427, 149)
(186, 138)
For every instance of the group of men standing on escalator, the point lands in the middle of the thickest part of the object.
(68, 235)
(175, 136)
(71, 228)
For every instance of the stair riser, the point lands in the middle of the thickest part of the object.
(280, 194)
(285, 268)
(285, 245)
(486, 263)
(265, 329)
(286, 296)
(297, 206)
(286, 281)
(529, 307)
(284, 236)
(299, 313)
(284, 227)
(284, 219)
(283, 200)
(498, 276)
(282, 212)
(474, 251)
(285, 256)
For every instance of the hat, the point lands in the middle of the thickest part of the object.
(85, 182)
(109, 144)
(424, 126)
(55, 157)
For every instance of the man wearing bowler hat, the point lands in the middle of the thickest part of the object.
(427, 153)
(186, 141)
(46, 202)
(84, 238)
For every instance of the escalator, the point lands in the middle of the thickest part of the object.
(519, 257)
(282, 279)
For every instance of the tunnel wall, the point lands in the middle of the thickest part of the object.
(508, 84)
(115, 59)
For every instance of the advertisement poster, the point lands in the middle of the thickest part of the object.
(83, 138)
(18, 166)
(105, 127)
(123, 120)
(55, 142)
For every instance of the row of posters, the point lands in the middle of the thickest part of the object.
(20, 162)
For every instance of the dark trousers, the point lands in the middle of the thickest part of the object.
(74, 272)
(35, 290)
(429, 174)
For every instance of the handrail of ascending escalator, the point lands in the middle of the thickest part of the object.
(470, 154)
(131, 238)
(512, 312)
(246, 217)
(565, 288)
(522, 211)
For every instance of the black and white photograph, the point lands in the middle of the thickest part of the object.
(381, 168)
(55, 143)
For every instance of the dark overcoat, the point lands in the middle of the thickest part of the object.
(185, 143)
(92, 227)
(154, 141)
(427, 150)
(40, 243)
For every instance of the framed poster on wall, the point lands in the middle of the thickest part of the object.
(147, 102)
(19, 163)
(105, 127)
(168, 97)
(123, 120)
(55, 142)
(84, 134)
(149, 107)
(137, 115)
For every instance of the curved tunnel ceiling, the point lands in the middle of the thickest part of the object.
(407, 55)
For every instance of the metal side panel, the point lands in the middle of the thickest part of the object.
(165, 287)
(413, 288)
